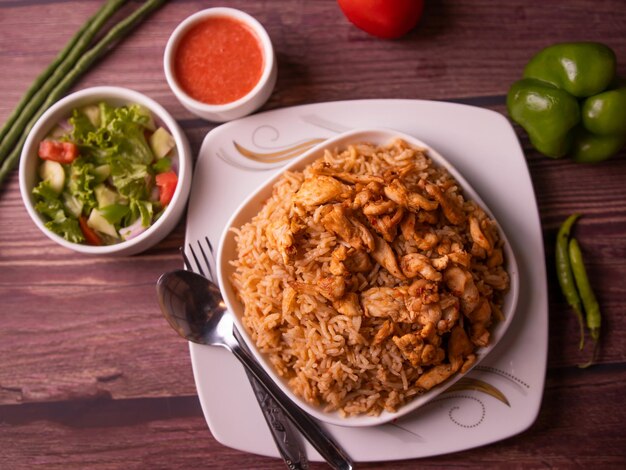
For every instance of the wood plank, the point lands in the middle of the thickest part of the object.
(452, 53)
(171, 433)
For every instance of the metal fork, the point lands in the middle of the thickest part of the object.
(284, 434)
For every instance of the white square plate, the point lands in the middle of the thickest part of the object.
(499, 398)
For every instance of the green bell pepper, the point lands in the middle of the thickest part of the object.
(568, 102)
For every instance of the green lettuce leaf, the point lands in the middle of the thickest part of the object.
(143, 209)
(81, 183)
(50, 206)
(130, 179)
(121, 134)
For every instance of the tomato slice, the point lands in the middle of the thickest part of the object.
(62, 152)
(166, 182)
(90, 235)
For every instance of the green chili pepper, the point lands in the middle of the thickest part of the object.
(592, 308)
(570, 102)
(565, 275)
(590, 303)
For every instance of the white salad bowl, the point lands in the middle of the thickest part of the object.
(30, 161)
(250, 207)
(248, 103)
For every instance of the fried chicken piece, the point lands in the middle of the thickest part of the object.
(338, 256)
(432, 354)
(356, 179)
(296, 224)
(429, 314)
(378, 207)
(459, 345)
(346, 260)
(450, 313)
(424, 237)
(411, 346)
(349, 305)
(427, 218)
(324, 168)
(434, 376)
(480, 320)
(427, 291)
(289, 300)
(415, 264)
(429, 333)
(358, 261)
(462, 258)
(279, 235)
(440, 263)
(387, 225)
(370, 193)
(383, 333)
(361, 199)
(384, 255)
(497, 278)
(320, 190)
(460, 354)
(496, 258)
(349, 229)
(398, 193)
(387, 302)
(450, 207)
(478, 236)
(331, 287)
(462, 285)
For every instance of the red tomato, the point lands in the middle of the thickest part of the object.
(90, 235)
(387, 19)
(166, 182)
(62, 152)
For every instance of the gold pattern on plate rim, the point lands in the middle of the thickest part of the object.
(468, 383)
(279, 156)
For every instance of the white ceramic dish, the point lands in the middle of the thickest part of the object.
(227, 252)
(244, 105)
(499, 398)
(29, 163)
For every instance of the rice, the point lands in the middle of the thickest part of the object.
(368, 278)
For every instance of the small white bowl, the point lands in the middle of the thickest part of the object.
(244, 105)
(227, 252)
(29, 163)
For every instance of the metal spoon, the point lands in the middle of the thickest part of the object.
(194, 307)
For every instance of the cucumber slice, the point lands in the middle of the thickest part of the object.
(72, 204)
(97, 222)
(161, 142)
(150, 125)
(105, 195)
(102, 172)
(92, 112)
(54, 173)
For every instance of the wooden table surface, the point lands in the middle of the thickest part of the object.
(91, 376)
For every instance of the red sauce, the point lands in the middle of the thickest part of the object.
(218, 61)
